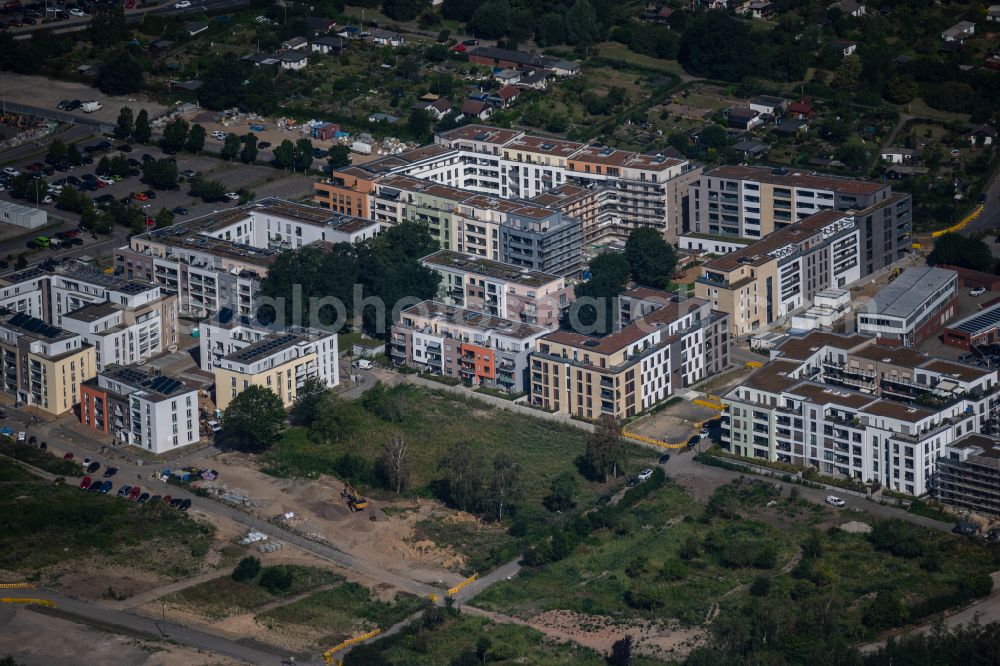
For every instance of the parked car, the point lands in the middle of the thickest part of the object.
(191, 173)
(95, 487)
(167, 499)
(263, 144)
(833, 500)
(185, 505)
(183, 4)
(105, 487)
(77, 12)
(174, 503)
(68, 456)
(143, 497)
(85, 483)
(632, 483)
(703, 433)
(694, 441)
(110, 472)
(134, 493)
(140, 196)
(978, 291)
(966, 529)
(232, 196)
(150, 194)
(124, 148)
(124, 491)
(180, 210)
(12, 172)
(155, 499)
(93, 467)
(645, 474)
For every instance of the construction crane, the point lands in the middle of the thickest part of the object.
(354, 498)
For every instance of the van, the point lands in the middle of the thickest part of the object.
(89, 107)
(20, 437)
(364, 364)
(42, 241)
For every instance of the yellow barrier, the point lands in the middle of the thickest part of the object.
(916, 246)
(37, 602)
(328, 655)
(455, 590)
(16, 586)
(754, 364)
(961, 224)
(717, 406)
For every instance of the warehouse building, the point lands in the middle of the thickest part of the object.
(912, 308)
(977, 329)
(22, 216)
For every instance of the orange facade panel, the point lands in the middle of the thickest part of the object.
(480, 359)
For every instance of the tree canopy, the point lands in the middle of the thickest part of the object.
(651, 260)
(609, 273)
(252, 420)
(956, 250)
(119, 75)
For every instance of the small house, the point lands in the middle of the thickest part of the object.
(259, 59)
(508, 77)
(379, 117)
(959, 32)
(534, 80)
(768, 104)
(981, 135)
(438, 108)
(386, 38)
(329, 45)
(507, 95)
(472, 108)
(324, 131)
(993, 14)
(791, 127)
(563, 68)
(319, 25)
(750, 149)
(661, 15)
(846, 48)
(897, 155)
(802, 109)
(295, 44)
(759, 9)
(849, 8)
(293, 60)
(744, 118)
(195, 28)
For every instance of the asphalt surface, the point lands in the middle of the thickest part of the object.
(74, 24)
(990, 217)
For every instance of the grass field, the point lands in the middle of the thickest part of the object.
(50, 524)
(40, 459)
(330, 616)
(675, 558)
(222, 597)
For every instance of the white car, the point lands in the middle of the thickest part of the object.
(77, 12)
(12, 172)
(107, 180)
(978, 291)
(833, 500)
(232, 196)
(47, 200)
(704, 433)
(21, 437)
(645, 474)
(183, 4)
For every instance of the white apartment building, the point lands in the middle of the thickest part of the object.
(851, 408)
(223, 334)
(118, 337)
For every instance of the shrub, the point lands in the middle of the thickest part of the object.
(276, 579)
(246, 570)
(761, 586)
(748, 553)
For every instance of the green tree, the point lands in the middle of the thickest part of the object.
(713, 136)
(308, 400)
(252, 420)
(174, 136)
(366, 654)
(621, 652)
(848, 74)
(142, 131)
(208, 190)
(304, 154)
(69, 199)
(605, 448)
(56, 152)
(125, 124)
(339, 156)
(395, 463)
(246, 570)
(164, 219)
(462, 482)
(505, 482)
(492, 19)
(222, 83)
(22, 262)
(651, 260)
(73, 155)
(335, 420)
(120, 75)
(885, 612)
(717, 46)
(581, 24)
(418, 125)
(160, 174)
(108, 27)
(562, 491)
(597, 297)
(404, 10)
(852, 154)
(195, 139)
(248, 153)
(276, 579)
(901, 89)
(230, 147)
(954, 249)
(28, 187)
(284, 155)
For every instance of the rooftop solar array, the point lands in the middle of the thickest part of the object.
(165, 385)
(980, 322)
(263, 348)
(130, 376)
(36, 326)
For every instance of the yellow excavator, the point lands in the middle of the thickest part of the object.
(354, 498)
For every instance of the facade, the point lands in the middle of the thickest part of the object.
(912, 308)
(500, 290)
(675, 344)
(765, 281)
(753, 202)
(154, 412)
(479, 349)
(43, 365)
(968, 475)
(849, 407)
(280, 362)
(22, 216)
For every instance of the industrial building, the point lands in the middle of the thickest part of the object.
(912, 308)
(981, 328)
(22, 216)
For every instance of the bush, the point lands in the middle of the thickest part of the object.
(748, 553)
(276, 579)
(899, 538)
(246, 570)
(644, 598)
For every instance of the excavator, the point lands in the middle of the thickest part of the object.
(354, 498)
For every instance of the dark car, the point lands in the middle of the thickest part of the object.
(694, 440)
(664, 458)
(966, 529)
(44, 446)
(263, 144)
(319, 153)
(110, 472)
(74, 105)
(68, 456)
(104, 199)
(146, 157)
(93, 467)
(124, 148)
(75, 241)
(95, 487)
(180, 210)
(175, 503)
(185, 505)
(150, 194)
(132, 162)
(155, 499)
(105, 487)
(125, 201)
(632, 483)
(62, 104)
(143, 497)
(124, 491)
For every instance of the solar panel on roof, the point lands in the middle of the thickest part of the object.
(980, 322)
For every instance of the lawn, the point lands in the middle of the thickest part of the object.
(40, 459)
(222, 597)
(49, 524)
(331, 616)
(671, 557)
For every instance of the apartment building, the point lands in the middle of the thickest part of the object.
(911, 308)
(500, 290)
(752, 202)
(138, 407)
(218, 260)
(280, 362)
(673, 345)
(43, 365)
(225, 333)
(968, 475)
(124, 320)
(849, 407)
(478, 348)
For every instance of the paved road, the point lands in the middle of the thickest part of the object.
(135, 15)
(990, 217)
(174, 632)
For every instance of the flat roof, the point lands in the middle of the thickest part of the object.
(773, 377)
(831, 395)
(801, 348)
(967, 373)
(489, 268)
(901, 356)
(481, 134)
(15, 208)
(451, 314)
(93, 311)
(759, 253)
(908, 292)
(979, 322)
(157, 387)
(268, 346)
(806, 179)
(603, 155)
(896, 410)
(544, 146)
